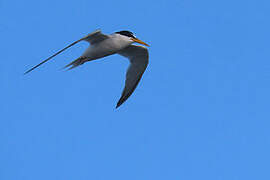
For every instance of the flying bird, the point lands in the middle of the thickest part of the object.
(102, 45)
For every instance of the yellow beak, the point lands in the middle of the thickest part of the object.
(139, 41)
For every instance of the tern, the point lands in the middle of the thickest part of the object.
(102, 45)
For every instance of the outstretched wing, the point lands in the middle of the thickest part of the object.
(92, 38)
(138, 57)
(95, 37)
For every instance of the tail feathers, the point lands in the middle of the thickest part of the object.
(76, 63)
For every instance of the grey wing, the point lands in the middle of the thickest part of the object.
(138, 57)
(93, 37)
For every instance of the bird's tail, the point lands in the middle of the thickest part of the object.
(76, 63)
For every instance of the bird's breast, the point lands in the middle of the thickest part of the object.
(105, 48)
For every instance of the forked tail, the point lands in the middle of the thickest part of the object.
(76, 63)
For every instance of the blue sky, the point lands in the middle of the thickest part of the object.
(201, 110)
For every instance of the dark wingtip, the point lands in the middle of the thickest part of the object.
(27, 72)
(119, 104)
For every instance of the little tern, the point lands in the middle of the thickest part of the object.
(102, 45)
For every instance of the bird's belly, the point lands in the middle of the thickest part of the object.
(96, 53)
(104, 48)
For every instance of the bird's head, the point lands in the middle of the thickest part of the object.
(131, 36)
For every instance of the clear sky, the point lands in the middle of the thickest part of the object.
(201, 111)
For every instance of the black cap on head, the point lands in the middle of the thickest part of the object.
(126, 33)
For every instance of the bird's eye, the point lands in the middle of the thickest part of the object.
(127, 33)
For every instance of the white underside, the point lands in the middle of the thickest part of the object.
(107, 47)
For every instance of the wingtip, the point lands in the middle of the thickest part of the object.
(117, 106)
(119, 103)
(26, 72)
